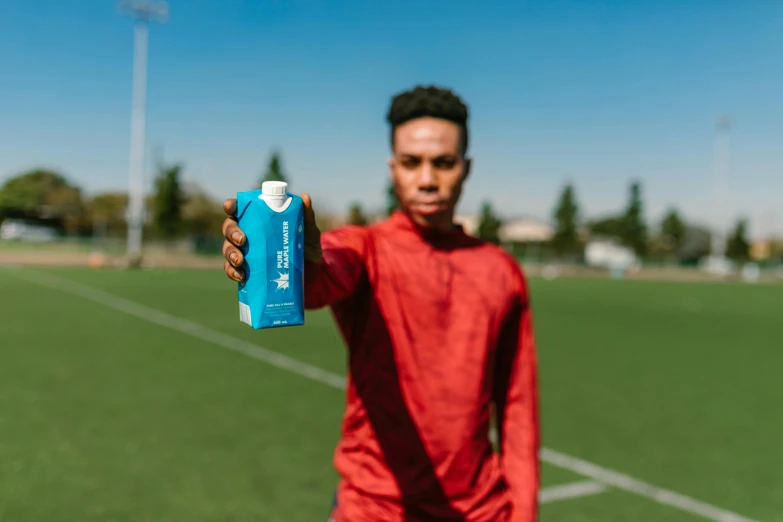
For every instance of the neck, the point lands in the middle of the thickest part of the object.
(439, 223)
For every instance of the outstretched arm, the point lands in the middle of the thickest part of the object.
(340, 270)
(516, 400)
(333, 261)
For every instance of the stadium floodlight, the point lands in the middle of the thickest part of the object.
(144, 12)
(721, 173)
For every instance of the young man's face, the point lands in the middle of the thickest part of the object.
(428, 169)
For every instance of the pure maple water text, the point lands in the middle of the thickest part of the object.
(272, 293)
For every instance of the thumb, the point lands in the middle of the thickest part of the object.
(307, 203)
(313, 250)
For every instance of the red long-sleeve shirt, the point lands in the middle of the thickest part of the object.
(438, 328)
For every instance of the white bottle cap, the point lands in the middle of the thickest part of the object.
(274, 188)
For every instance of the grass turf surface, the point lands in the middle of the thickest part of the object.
(104, 416)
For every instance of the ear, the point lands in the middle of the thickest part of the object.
(391, 162)
(468, 162)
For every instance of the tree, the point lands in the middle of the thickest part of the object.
(28, 191)
(566, 237)
(201, 215)
(696, 244)
(108, 209)
(168, 201)
(392, 203)
(108, 205)
(356, 215)
(673, 231)
(489, 226)
(274, 171)
(609, 226)
(44, 194)
(633, 228)
(738, 246)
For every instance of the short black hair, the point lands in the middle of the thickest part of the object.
(429, 101)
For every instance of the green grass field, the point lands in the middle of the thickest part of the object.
(112, 408)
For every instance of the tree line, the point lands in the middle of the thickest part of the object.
(176, 209)
(672, 238)
(666, 239)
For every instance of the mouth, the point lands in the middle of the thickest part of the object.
(429, 207)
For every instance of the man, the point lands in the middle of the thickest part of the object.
(439, 331)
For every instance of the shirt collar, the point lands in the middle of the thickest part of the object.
(403, 221)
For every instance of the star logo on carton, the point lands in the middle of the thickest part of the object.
(282, 281)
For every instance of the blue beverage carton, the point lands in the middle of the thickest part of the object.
(272, 293)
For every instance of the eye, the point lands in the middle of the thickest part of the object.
(444, 162)
(410, 162)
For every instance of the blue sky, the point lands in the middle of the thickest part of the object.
(593, 92)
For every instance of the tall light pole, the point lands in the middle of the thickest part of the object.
(143, 12)
(721, 175)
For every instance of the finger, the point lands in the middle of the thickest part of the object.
(235, 274)
(231, 254)
(227, 223)
(230, 207)
(232, 232)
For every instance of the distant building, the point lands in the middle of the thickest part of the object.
(18, 229)
(468, 222)
(760, 250)
(525, 230)
(609, 253)
(512, 230)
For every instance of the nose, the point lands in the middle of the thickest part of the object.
(428, 179)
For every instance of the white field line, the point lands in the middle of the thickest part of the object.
(579, 489)
(630, 484)
(184, 326)
(561, 460)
